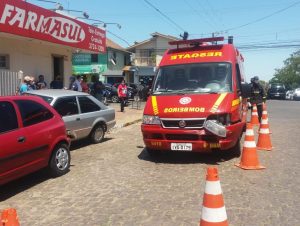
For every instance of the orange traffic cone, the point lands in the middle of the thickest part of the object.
(244, 114)
(264, 139)
(266, 115)
(213, 210)
(249, 159)
(9, 218)
(254, 116)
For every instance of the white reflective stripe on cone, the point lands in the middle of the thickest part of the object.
(214, 214)
(249, 144)
(254, 113)
(264, 121)
(249, 132)
(264, 112)
(264, 131)
(213, 188)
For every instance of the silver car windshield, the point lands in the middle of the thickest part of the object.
(194, 78)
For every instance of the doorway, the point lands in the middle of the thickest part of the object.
(58, 67)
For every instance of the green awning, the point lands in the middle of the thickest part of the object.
(88, 69)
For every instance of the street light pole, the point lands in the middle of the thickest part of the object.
(101, 22)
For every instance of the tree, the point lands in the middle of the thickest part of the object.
(289, 74)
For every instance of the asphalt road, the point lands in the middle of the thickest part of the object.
(117, 183)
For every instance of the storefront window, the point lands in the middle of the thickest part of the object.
(94, 58)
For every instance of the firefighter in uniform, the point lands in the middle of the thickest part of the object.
(258, 95)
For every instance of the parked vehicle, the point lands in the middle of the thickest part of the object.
(289, 95)
(277, 91)
(111, 93)
(83, 114)
(197, 97)
(32, 136)
(131, 90)
(296, 94)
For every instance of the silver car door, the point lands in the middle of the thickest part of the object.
(90, 112)
(67, 107)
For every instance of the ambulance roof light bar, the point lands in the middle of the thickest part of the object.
(196, 42)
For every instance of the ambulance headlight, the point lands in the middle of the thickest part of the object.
(215, 127)
(151, 120)
(223, 119)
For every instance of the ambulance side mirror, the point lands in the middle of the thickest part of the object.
(245, 90)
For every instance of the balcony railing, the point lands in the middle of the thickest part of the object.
(145, 61)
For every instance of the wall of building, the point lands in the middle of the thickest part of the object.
(118, 57)
(162, 44)
(158, 45)
(36, 57)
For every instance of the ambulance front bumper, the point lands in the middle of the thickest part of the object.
(195, 140)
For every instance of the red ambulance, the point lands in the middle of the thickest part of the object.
(197, 98)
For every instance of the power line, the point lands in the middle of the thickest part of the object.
(164, 15)
(118, 37)
(252, 22)
(212, 19)
(263, 18)
(198, 13)
(275, 48)
(214, 13)
(269, 46)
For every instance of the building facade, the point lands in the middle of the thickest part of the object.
(36, 41)
(147, 56)
(107, 66)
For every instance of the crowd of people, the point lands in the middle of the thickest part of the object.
(76, 83)
(29, 83)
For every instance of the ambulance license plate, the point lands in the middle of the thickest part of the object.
(181, 147)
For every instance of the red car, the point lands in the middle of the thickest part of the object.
(32, 136)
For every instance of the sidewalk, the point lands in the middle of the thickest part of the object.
(130, 116)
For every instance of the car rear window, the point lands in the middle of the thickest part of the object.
(87, 105)
(66, 106)
(277, 89)
(45, 98)
(33, 112)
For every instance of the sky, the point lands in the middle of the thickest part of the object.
(251, 23)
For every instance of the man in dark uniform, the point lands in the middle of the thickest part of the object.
(258, 95)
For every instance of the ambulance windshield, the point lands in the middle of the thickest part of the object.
(194, 78)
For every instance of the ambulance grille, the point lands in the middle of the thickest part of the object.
(189, 123)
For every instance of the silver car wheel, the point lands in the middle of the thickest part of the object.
(62, 159)
(99, 133)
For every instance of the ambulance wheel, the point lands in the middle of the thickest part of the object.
(153, 153)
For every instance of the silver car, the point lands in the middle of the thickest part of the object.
(289, 95)
(296, 94)
(83, 114)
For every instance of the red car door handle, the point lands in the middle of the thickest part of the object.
(21, 139)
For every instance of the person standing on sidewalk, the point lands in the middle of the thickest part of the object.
(97, 88)
(122, 93)
(258, 95)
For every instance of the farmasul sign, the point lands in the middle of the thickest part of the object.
(27, 20)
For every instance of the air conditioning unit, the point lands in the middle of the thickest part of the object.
(113, 61)
(95, 68)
